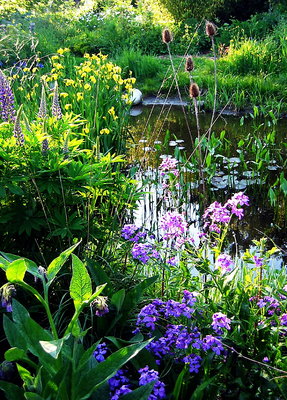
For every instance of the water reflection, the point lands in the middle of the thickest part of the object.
(150, 140)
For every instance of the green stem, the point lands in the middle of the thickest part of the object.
(45, 303)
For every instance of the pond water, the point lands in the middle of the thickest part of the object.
(149, 126)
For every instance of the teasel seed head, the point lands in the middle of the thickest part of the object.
(166, 36)
(189, 66)
(194, 90)
(210, 29)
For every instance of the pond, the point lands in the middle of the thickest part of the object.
(160, 131)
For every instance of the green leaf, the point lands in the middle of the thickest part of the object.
(81, 285)
(13, 335)
(14, 354)
(98, 375)
(16, 271)
(12, 392)
(199, 391)
(53, 347)
(57, 264)
(133, 296)
(15, 189)
(33, 396)
(7, 258)
(178, 384)
(118, 299)
(25, 375)
(141, 393)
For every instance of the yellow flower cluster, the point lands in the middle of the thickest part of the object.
(104, 131)
(112, 113)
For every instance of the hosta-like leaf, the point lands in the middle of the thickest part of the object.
(98, 375)
(16, 271)
(14, 354)
(81, 285)
(57, 264)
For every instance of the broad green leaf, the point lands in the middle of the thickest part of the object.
(87, 355)
(16, 271)
(32, 333)
(13, 334)
(81, 285)
(12, 392)
(98, 375)
(57, 264)
(14, 354)
(7, 258)
(53, 347)
(141, 393)
(118, 299)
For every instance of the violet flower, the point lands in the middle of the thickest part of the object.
(7, 108)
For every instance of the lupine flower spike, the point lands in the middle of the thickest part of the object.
(45, 146)
(56, 108)
(17, 131)
(7, 108)
(42, 113)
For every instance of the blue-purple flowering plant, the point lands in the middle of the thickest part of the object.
(53, 355)
(233, 322)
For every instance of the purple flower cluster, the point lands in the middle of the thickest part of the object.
(7, 109)
(212, 343)
(224, 262)
(194, 362)
(219, 321)
(169, 165)
(270, 303)
(173, 224)
(217, 214)
(100, 352)
(151, 313)
(258, 261)
(144, 252)
(283, 319)
(119, 385)
(149, 375)
(131, 232)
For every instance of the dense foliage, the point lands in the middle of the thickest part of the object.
(94, 305)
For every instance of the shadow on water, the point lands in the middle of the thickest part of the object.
(151, 142)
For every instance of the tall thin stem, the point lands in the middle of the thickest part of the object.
(177, 88)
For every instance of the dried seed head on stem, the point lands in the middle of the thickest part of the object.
(189, 66)
(166, 36)
(194, 90)
(210, 29)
